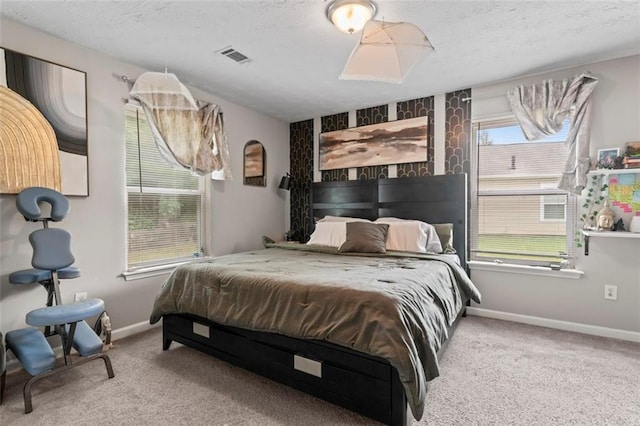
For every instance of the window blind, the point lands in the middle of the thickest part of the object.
(164, 205)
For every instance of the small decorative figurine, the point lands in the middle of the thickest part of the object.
(606, 218)
(619, 225)
(618, 162)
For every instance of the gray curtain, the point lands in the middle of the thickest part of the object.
(541, 110)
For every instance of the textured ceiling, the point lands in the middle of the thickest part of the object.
(297, 55)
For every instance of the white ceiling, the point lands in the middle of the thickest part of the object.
(297, 55)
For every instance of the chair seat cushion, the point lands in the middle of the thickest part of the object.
(32, 276)
(32, 349)
(85, 340)
(65, 314)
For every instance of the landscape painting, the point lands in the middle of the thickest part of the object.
(395, 142)
(60, 94)
(253, 159)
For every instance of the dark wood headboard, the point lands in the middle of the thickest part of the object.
(431, 199)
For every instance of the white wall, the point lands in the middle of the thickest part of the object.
(240, 214)
(616, 120)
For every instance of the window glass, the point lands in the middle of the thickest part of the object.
(519, 215)
(164, 205)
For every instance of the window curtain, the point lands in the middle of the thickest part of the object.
(189, 134)
(541, 109)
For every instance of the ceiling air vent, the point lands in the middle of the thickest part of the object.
(233, 54)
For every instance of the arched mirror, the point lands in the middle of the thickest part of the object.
(255, 164)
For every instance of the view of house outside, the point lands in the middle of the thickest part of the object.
(520, 213)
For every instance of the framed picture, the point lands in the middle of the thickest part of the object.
(254, 164)
(607, 158)
(393, 142)
(59, 93)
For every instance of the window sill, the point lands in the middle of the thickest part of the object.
(525, 269)
(153, 271)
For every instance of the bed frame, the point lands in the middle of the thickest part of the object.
(362, 383)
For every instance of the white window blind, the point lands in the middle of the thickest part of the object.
(164, 205)
(518, 214)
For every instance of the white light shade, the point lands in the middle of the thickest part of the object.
(387, 51)
(349, 16)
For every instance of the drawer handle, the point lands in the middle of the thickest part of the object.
(307, 365)
(201, 330)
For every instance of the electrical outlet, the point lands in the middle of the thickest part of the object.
(79, 296)
(611, 292)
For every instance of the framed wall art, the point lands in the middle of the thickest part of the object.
(394, 142)
(254, 161)
(607, 157)
(59, 93)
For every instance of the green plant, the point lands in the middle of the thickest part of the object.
(169, 207)
(594, 197)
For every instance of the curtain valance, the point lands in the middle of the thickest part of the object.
(541, 110)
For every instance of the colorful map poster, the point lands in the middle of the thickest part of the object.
(624, 192)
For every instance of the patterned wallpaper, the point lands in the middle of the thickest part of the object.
(421, 107)
(301, 170)
(457, 149)
(458, 133)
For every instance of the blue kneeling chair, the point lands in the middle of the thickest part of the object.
(27, 203)
(51, 259)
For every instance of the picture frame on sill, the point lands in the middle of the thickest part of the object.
(607, 158)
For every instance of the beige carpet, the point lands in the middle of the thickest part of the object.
(493, 373)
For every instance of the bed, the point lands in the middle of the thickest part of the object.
(361, 330)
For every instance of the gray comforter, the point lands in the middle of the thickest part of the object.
(395, 306)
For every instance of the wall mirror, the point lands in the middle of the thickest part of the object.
(255, 164)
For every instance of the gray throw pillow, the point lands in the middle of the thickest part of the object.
(363, 237)
(445, 234)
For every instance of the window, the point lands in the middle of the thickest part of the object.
(518, 214)
(164, 205)
(552, 207)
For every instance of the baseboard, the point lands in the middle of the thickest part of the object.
(594, 330)
(120, 333)
(130, 330)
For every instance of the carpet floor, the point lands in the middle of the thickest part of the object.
(493, 373)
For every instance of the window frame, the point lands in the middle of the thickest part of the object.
(475, 194)
(163, 266)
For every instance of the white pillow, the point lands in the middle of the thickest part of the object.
(394, 219)
(332, 234)
(411, 235)
(341, 219)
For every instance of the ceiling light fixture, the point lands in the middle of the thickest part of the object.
(387, 51)
(349, 16)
